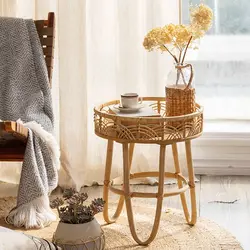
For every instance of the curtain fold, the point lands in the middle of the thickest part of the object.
(100, 56)
(73, 89)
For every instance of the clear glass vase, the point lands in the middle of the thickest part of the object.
(181, 77)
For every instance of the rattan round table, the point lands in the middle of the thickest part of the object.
(148, 130)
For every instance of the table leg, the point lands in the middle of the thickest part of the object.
(193, 218)
(131, 153)
(108, 168)
(127, 193)
(180, 185)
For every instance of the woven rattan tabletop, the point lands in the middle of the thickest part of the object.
(160, 129)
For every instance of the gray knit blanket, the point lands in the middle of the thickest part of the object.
(25, 96)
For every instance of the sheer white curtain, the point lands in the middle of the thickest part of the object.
(100, 56)
(104, 43)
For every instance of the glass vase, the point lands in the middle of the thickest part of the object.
(181, 77)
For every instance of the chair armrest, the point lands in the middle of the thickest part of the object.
(14, 128)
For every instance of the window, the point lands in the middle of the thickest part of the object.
(222, 63)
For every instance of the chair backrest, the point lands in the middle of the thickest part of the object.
(46, 32)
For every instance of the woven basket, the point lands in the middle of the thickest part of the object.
(180, 101)
(180, 98)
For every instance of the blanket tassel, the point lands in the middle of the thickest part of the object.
(35, 214)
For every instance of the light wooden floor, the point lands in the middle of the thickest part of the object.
(211, 191)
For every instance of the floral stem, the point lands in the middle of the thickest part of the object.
(185, 52)
(183, 77)
(177, 78)
(180, 55)
(176, 60)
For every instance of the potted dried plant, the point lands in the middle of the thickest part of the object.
(176, 39)
(78, 228)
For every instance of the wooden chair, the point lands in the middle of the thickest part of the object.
(13, 136)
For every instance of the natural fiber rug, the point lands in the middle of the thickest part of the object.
(173, 233)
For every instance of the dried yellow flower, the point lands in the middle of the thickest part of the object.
(180, 36)
(170, 29)
(201, 17)
(155, 38)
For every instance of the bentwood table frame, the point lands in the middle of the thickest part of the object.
(148, 130)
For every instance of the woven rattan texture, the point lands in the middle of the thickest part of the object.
(164, 129)
(180, 101)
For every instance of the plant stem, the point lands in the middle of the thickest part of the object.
(176, 60)
(183, 78)
(180, 55)
(177, 78)
(183, 58)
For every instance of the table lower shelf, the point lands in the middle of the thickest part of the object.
(178, 191)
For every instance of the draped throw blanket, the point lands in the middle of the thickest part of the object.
(25, 95)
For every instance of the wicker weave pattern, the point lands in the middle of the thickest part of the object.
(180, 101)
(97, 243)
(148, 129)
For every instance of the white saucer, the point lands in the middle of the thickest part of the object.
(128, 110)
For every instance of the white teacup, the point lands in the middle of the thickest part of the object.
(130, 100)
